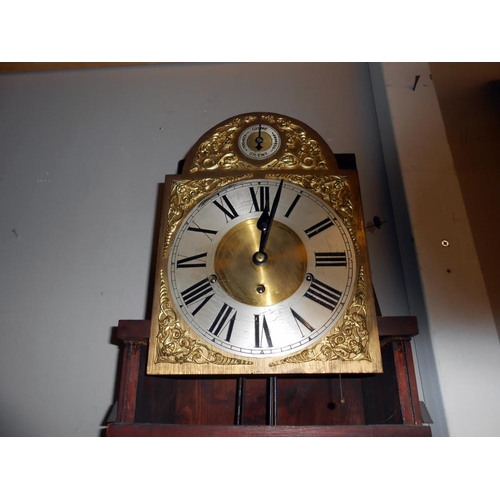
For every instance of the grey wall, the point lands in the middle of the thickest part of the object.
(82, 154)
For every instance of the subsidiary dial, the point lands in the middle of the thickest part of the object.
(259, 141)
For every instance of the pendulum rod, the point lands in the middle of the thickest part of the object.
(240, 400)
(272, 402)
(342, 399)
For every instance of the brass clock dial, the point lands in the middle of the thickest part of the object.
(262, 258)
(259, 141)
(272, 308)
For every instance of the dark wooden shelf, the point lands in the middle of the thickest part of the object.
(172, 430)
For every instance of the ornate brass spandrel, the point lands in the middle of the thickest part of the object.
(347, 342)
(217, 152)
(220, 151)
(175, 345)
(184, 194)
(334, 190)
(301, 151)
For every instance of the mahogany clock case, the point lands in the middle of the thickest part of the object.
(187, 393)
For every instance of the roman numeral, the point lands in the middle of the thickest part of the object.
(198, 229)
(230, 211)
(192, 261)
(196, 292)
(323, 294)
(262, 201)
(300, 319)
(319, 227)
(260, 333)
(330, 259)
(292, 206)
(220, 322)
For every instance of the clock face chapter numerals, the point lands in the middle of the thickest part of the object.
(261, 300)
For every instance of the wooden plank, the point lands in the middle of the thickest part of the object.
(133, 329)
(205, 401)
(317, 401)
(255, 401)
(147, 430)
(156, 396)
(403, 382)
(397, 326)
(128, 382)
(412, 385)
(380, 393)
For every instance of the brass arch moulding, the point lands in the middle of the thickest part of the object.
(220, 151)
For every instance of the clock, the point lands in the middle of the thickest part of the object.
(259, 141)
(262, 258)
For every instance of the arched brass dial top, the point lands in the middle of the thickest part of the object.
(260, 285)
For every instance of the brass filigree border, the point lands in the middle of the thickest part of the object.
(175, 345)
(348, 342)
(220, 151)
(184, 194)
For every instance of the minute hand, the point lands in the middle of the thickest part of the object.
(265, 231)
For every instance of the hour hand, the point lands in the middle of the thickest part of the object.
(263, 227)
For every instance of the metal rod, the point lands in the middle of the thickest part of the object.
(272, 402)
(240, 400)
(342, 399)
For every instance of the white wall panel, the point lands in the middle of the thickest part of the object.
(458, 351)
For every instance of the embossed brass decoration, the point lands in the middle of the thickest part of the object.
(348, 342)
(222, 304)
(219, 151)
(184, 195)
(175, 345)
(333, 189)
